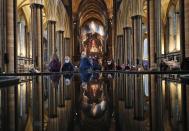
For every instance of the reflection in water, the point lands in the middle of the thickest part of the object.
(95, 102)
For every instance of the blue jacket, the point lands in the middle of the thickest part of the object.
(85, 64)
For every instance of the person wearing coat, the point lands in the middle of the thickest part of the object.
(85, 64)
(68, 66)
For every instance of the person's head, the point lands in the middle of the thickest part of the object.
(83, 54)
(67, 59)
(55, 57)
(109, 61)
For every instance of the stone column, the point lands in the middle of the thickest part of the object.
(37, 51)
(37, 35)
(51, 28)
(60, 35)
(121, 49)
(137, 38)
(67, 47)
(128, 48)
(10, 38)
(155, 32)
(184, 33)
(116, 50)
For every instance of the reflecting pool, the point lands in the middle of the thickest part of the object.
(96, 102)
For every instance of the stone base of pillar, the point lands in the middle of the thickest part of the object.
(185, 64)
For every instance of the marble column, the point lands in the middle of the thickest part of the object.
(67, 47)
(121, 49)
(37, 49)
(128, 48)
(60, 36)
(1, 34)
(137, 38)
(184, 33)
(51, 28)
(155, 32)
(37, 35)
(116, 50)
(10, 36)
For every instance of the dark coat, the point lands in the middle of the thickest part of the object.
(68, 67)
(85, 64)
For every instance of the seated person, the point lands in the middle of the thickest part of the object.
(85, 64)
(68, 66)
(54, 65)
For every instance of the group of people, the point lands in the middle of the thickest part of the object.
(86, 64)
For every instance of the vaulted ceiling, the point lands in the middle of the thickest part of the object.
(84, 10)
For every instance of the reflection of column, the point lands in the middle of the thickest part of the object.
(138, 98)
(156, 101)
(52, 100)
(51, 28)
(61, 99)
(60, 35)
(37, 102)
(37, 35)
(11, 107)
(137, 39)
(129, 91)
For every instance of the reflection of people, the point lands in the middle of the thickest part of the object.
(54, 65)
(85, 77)
(85, 64)
(55, 79)
(68, 66)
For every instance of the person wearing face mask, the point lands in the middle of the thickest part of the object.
(68, 66)
(110, 65)
(85, 64)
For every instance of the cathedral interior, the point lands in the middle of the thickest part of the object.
(142, 35)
